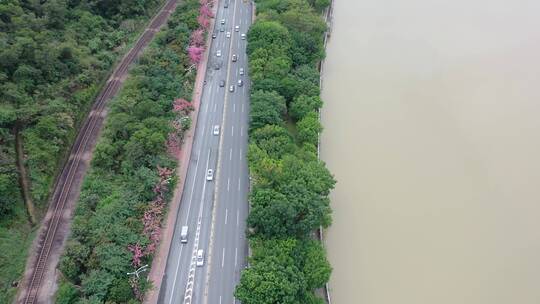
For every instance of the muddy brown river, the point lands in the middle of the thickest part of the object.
(432, 129)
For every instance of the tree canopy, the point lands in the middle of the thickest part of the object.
(290, 186)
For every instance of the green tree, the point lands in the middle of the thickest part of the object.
(304, 80)
(309, 128)
(274, 140)
(269, 35)
(9, 191)
(266, 108)
(66, 294)
(314, 264)
(271, 214)
(269, 282)
(121, 291)
(97, 283)
(303, 105)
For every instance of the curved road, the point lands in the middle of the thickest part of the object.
(215, 211)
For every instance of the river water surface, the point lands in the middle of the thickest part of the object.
(432, 129)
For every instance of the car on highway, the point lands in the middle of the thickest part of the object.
(243, 36)
(218, 53)
(234, 57)
(222, 21)
(214, 35)
(222, 83)
(237, 28)
(210, 175)
(241, 71)
(240, 82)
(184, 234)
(228, 34)
(226, 4)
(200, 257)
(231, 88)
(216, 130)
(222, 29)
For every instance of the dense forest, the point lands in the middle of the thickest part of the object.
(290, 185)
(54, 57)
(117, 222)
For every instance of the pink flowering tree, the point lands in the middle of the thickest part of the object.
(195, 54)
(138, 254)
(181, 105)
(203, 21)
(206, 11)
(197, 38)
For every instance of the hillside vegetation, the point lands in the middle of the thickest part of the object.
(54, 56)
(289, 196)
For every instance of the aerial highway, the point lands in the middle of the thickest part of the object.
(215, 210)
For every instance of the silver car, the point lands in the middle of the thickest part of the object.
(231, 88)
(241, 71)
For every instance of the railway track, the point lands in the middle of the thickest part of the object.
(83, 144)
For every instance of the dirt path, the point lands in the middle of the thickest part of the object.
(23, 178)
(40, 277)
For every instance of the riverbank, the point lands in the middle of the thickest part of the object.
(326, 294)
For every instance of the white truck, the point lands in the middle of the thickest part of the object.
(184, 234)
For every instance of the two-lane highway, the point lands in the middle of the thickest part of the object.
(224, 198)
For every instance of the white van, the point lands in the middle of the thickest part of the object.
(184, 234)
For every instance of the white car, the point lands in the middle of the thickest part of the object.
(218, 53)
(236, 28)
(210, 175)
(243, 36)
(241, 71)
(240, 82)
(200, 257)
(231, 88)
(216, 130)
(228, 34)
(222, 21)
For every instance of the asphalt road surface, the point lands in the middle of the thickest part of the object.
(226, 194)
